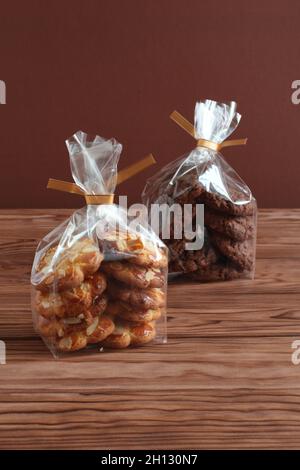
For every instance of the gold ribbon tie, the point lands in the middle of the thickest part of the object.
(123, 175)
(189, 128)
(99, 199)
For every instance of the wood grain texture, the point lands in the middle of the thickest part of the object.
(224, 380)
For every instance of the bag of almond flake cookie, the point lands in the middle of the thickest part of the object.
(202, 178)
(99, 279)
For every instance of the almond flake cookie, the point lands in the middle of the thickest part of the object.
(67, 269)
(144, 299)
(73, 334)
(133, 275)
(130, 334)
(126, 312)
(73, 342)
(135, 249)
(71, 302)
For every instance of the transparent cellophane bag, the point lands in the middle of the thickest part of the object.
(202, 176)
(99, 280)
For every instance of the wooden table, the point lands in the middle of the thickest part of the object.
(224, 380)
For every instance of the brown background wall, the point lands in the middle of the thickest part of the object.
(118, 68)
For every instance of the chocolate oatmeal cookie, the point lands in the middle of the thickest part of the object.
(238, 228)
(241, 253)
(193, 260)
(219, 203)
(192, 191)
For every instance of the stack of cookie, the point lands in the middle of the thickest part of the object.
(137, 277)
(81, 299)
(70, 300)
(229, 237)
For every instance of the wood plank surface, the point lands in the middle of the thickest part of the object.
(224, 379)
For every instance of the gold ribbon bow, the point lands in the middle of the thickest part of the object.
(189, 128)
(123, 175)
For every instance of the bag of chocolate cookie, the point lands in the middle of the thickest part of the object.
(100, 278)
(204, 193)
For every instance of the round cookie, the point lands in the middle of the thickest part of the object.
(48, 305)
(135, 248)
(65, 269)
(92, 287)
(52, 308)
(150, 255)
(67, 337)
(130, 334)
(240, 253)
(219, 203)
(190, 190)
(101, 327)
(144, 299)
(54, 327)
(126, 312)
(133, 275)
(73, 342)
(71, 302)
(237, 228)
